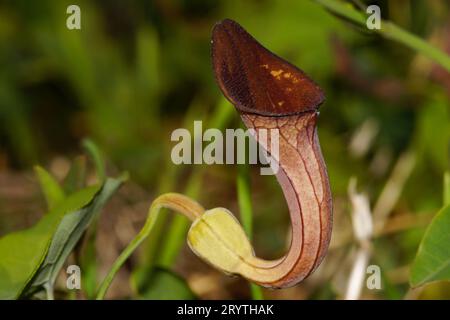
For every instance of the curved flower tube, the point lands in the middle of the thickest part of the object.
(269, 93)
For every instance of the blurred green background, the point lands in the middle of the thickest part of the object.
(137, 70)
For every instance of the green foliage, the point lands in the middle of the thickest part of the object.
(96, 156)
(53, 193)
(390, 31)
(128, 82)
(152, 217)
(432, 262)
(24, 251)
(68, 233)
(433, 257)
(175, 237)
(446, 188)
(32, 258)
(89, 265)
(433, 132)
(76, 176)
(163, 284)
(246, 211)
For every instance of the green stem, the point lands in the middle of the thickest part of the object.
(174, 238)
(173, 201)
(246, 213)
(390, 31)
(96, 156)
(179, 224)
(49, 291)
(145, 231)
(151, 250)
(393, 32)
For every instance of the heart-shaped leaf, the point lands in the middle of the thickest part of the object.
(432, 262)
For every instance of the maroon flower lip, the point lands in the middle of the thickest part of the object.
(257, 81)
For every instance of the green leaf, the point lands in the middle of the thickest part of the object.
(163, 284)
(245, 199)
(67, 235)
(96, 156)
(174, 201)
(344, 10)
(88, 263)
(433, 132)
(22, 252)
(53, 192)
(76, 177)
(432, 261)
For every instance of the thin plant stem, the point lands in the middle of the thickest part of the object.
(96, 156)
(246, 212)
(49, 291)
(174, 238)
(390, 31)
(173, 201)
(179, 224)
(152, 249)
